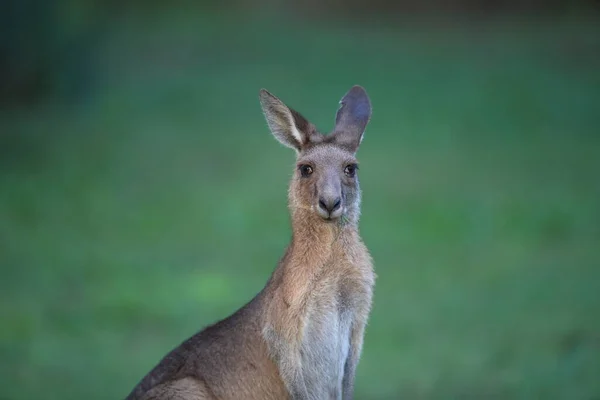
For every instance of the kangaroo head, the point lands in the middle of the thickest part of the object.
(325, 181)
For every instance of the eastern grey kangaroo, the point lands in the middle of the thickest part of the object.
(301, 337)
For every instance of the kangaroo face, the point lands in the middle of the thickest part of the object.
(325, 181)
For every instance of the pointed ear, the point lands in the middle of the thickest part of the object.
(288, 126)
(352, 118)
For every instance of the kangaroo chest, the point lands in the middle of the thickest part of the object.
(338, 300)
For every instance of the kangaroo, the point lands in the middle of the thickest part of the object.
(300, 337)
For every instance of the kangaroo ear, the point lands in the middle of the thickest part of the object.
(352, 118)
(288, 126)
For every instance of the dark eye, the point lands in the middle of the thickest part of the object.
(350, 170)
(305, 170)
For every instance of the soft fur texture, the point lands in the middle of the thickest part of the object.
(301, 336)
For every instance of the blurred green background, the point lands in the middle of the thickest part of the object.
(142, 196)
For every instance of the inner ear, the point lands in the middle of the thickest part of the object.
(288, 126)
(352, 118)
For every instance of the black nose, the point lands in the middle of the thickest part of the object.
(330, 204)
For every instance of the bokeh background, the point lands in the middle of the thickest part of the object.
(142, 196)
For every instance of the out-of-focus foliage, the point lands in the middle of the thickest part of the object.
(44, 48)
(142, 197)
(47, 46)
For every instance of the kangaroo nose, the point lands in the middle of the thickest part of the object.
(330, 204)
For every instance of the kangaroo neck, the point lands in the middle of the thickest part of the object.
(317, 239)
(316, 246)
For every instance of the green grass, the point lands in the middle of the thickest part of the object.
(159, 206)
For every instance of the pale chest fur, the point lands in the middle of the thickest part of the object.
(316, 306)
(340, 297)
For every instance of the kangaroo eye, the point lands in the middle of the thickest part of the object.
(350, 170)
(305, 170)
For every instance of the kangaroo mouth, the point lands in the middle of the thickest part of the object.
(330, 215)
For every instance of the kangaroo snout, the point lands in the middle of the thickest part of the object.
(330, 207)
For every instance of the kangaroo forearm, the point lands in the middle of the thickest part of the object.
(348, 381)
(290, 370)
(356, 342)
(285, 353)
(298, 390)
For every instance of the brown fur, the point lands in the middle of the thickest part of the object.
(301, 336)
